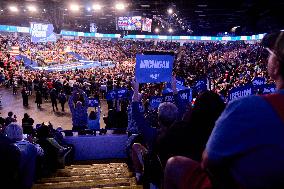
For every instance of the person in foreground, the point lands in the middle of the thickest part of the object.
(246, 147)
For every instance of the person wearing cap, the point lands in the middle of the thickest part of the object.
(246, 146)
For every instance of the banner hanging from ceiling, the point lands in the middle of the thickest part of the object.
(42, 33)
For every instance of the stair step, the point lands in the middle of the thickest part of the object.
(96, 166)
(115, 182)
(85, 177)
(82, 172)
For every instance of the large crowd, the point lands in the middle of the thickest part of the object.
(155, 135)
(227, 65)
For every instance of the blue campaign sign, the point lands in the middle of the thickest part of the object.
(155, 101)
(153, 68)
(238, 92)
(93, 102)
(111, 95)
(200, 85)
(141, 107)
(180, 81)
(185, 96)
(167, 90)
(258, 81)
(122, 93)
(41, 33)
(169, 98)
(268, 88)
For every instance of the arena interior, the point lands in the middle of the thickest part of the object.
(136, 94)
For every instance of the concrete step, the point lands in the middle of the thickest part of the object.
(84, 177)
(103, 183)
(90, 176)
(89, 171)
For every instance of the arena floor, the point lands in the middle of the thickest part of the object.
(14, 103)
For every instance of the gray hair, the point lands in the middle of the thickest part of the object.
(168, 113)
(14, 132)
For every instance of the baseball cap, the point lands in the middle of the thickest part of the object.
(274, 42)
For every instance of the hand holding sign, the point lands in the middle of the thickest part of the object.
(174, 84)
(135, 86)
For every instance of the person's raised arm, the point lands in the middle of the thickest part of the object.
(135, 86)
(174, 85)
(180, 105)
(143, 126)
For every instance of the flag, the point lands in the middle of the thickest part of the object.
(14, 51)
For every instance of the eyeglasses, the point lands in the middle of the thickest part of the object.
(270, 51)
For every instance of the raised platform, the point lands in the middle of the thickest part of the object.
(108, 146)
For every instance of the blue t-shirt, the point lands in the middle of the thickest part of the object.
(250, 136)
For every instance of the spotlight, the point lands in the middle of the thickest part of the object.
(120, 6)
(74, 7)
(13, 9)
(170, 11)
(157, 30)
(32, 8)
(89, 9)
(234, 29)
(171, 30)
(97, 7)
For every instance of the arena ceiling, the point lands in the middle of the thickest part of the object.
(196, 17)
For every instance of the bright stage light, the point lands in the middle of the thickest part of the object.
(13, 9)
(170, 11)
(74, 7)
(120, 6)
(32, 8)
(157, 30)
(97, 7)
(171, 30)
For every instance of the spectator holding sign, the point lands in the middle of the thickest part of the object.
(167, 115)
(79, 110)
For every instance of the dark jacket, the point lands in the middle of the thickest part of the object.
(38, 97)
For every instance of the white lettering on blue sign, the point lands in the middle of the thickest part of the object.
(238, 94)
(121, 91)
(157, 100)
(154, 64)
(169, 98)
(257, 82)
(39, 30)
(38, 33)
(179, 82)
(183, 96)
(154, 76)
(268, 90)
